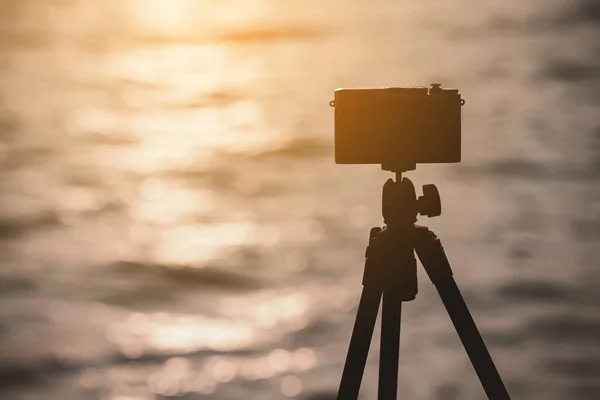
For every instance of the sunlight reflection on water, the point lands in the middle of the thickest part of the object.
(192, 243)
(173, 126)
(246, 322)
(170, 333)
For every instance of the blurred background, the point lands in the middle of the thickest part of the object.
(172, 223)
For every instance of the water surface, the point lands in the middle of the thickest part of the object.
(172, 223)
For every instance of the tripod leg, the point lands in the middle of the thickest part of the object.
(434, 260)
(472, 341)
(390, 345)
(359, 343)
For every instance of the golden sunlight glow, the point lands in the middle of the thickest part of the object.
(189, 17)
(172, 16)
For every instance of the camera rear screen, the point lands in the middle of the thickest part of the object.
(397, 126)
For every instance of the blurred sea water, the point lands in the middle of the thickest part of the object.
(172, 224)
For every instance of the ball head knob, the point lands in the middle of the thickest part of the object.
(430, 203)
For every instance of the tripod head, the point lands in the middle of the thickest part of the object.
(400, 204)
(390, 255)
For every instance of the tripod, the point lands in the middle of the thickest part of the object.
(391, 274)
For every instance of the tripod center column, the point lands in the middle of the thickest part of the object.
(391, 263)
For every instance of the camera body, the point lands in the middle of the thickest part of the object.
(397, 127)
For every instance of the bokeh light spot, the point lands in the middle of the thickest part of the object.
(291, 386)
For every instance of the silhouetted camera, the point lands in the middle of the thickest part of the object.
(397, 127)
